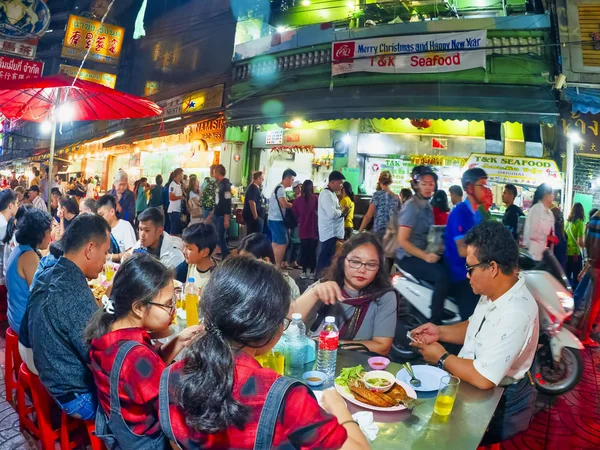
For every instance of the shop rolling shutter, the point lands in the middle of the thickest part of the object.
(589, 23)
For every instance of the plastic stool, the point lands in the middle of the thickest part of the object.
(71, 426)
(12, 363)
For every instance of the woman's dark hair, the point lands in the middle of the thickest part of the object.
(12, 224)
(593, 212)
(70, 204)
(492, 242)
(259, 245)
(405, 194)
(348, 190)
(440, 200)
(308, 189)
(258, 299)
(577, 213)
(559, 221)
(139, 279)
(542, 190)
(32, 227)
(136, 186)
(335, 272)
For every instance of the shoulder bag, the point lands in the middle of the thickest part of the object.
(289, 220)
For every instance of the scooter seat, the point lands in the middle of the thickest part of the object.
(427, 284)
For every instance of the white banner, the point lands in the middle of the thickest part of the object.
(427, 53)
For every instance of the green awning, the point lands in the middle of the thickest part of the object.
(497, 103)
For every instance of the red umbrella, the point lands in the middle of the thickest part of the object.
(60, 98)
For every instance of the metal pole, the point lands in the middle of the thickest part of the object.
(569, 177)
(51, 163)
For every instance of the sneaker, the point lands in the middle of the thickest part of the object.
(590, 343)
(303, 276)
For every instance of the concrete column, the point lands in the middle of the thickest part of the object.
(353, 131)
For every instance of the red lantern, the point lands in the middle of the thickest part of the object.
(420, 123)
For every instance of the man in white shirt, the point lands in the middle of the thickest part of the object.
(121, 230)
(500, 338)
(8, 210)
(36, 200)
(175, 197)
(330, 219)
(278, 205)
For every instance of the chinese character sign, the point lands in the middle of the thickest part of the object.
(587, 127)
(103, 41)
(103, 78)
(19, 69)
(427, 53)
(14, 48)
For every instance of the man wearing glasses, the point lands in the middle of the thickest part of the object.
(500, 338)
(461, 220)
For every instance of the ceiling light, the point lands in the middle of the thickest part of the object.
(296, 123)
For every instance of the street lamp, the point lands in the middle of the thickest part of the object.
(572, 139)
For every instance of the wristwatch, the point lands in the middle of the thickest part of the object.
(441, 363)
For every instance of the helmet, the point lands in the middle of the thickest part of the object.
(419, 172)
(471, 176)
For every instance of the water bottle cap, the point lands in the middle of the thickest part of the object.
(329, 319)
(296, 316)
(191, 280)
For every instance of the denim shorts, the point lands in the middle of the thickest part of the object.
(82, 407)
(279, 233)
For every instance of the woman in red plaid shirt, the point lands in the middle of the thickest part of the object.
(217, 393)
(142, 300)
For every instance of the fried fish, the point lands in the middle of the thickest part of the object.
(371, 398)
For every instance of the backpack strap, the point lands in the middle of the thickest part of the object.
(270, 412)
(115, 374)
(163, 407)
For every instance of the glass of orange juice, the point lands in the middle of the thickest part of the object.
(109, 268)
(446, 395)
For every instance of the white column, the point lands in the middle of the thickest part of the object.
(568, 194)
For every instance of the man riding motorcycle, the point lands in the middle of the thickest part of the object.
(414, 221)
(462, 219)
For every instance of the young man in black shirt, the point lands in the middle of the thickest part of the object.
(222, 211)
(513, 212)
(253, 205)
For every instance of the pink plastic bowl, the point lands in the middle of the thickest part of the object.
(378, 362)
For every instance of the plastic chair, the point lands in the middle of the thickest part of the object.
(71, 427)
(12, 363)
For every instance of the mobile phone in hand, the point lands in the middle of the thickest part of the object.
(409, 336)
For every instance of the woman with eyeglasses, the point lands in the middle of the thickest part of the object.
(217, 393)
(357, 292)
(141, 302)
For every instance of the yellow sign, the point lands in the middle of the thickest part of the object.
(103, 78)
(103, 41)
(211, 131)
(203, 99)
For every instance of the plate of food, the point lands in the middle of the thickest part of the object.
(376, 390)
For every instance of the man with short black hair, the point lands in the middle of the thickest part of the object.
(222, 211)
(513, 212)
(456, 194)
(59, 308)
(330, 219)
(500, 338)
(121, 230)
(253, 208)
(35, 199)
(278, 206)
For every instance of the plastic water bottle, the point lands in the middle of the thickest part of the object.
(329, 337)
(295, 339)
(191, 302)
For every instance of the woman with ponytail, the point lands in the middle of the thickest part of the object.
(218, 392)
(141, 301)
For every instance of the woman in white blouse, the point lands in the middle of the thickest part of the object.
(539, 224)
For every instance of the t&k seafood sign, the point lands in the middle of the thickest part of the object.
(427, 53)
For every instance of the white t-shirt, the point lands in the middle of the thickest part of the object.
(124, 235)
(175, 205)
(274, 207)
(502, 335)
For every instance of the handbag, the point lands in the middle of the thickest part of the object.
(289, 220)
(570, 233)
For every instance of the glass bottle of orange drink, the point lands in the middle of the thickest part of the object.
(191, 302)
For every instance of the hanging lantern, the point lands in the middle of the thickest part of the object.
(419, 124)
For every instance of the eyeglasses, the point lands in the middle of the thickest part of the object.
(471, 268)
(370, 266)
(170, 307)
(485, 186)
(286, 323)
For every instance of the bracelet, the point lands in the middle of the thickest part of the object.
(349, 421)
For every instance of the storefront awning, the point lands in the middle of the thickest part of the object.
(152, 130)
(525, 104)
(583, 100)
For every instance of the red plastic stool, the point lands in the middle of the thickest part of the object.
(71, 427)
(12, 363)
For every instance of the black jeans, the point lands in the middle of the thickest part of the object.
(434, 273)
(326, 254)
(574, 267)
(308, 254)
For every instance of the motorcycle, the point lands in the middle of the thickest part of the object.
(558, 363)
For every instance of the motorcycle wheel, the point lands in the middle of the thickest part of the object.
(555, 379)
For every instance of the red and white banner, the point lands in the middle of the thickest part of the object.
(427, 53)
(19, 69)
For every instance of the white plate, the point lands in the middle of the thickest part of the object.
(345, 392)
(429, 376)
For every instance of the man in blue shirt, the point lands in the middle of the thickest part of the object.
(463, 217)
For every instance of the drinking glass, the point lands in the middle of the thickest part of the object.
(446, 395)
(109, 268)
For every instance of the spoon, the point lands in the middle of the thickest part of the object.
(414, 381)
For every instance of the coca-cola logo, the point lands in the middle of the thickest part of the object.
(343, 50)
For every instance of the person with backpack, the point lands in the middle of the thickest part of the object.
(209, 195)
(278, 206)
(125, 364)
(218, 395)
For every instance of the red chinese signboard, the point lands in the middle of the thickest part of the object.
(19, 69)
(103, 41)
